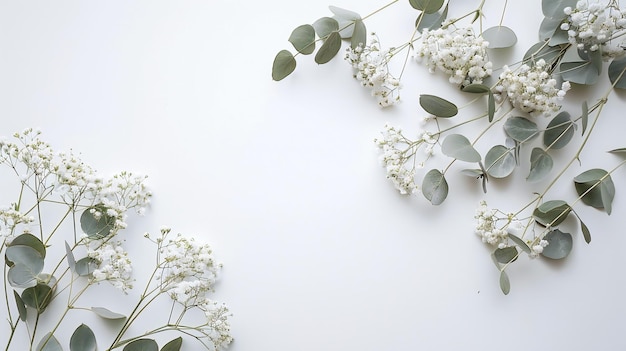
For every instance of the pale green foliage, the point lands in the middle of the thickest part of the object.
(500, 37)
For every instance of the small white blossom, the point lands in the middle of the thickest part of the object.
(114, 265)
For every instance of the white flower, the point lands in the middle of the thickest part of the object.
(114, 265)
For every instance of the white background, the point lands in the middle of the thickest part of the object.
(283, 180)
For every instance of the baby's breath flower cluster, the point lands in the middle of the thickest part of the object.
(457, 52)
(114, 265)
(370, 64)
(596, 26)
(532, 88)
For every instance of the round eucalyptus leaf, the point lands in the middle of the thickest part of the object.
(107, 314)
(97, 227)
(431, 21)
(435, 187)
(345, 14)
(173, 345)
(521, 129)
(541, 51)
(559, 131)
(324, 26)
(596, 188)
(30, 240)
(49, 343)
(500, 37)
(21, 276)
(540, 165)
(548, 27)
(559, 245)
(579, 72)
(284, 65)
(476, 89)
(329, 49)
(554, 8)
(428, 6)
(83, 339)
(25, 255)
(593, 57)
(500, 161)
(85, 266)
(303, 39)
(505, 284)
(457, 146)
(142, 345)
(506, 255)
(359, 36)
(617, 73)
(552, 213)
(37, 297)
(437, 106)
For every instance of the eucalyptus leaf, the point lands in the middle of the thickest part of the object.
(343, 13)
(491, 106)
(585, 230)
(596, 188)
(505, 284)
(616, 73)
(21, 276)
(71, 261)
(431, 20)
(548, 27)
(559, 37)
(437, 106)
(329, 49)
(86, 265)
(519, 242)
(593, 57)
(579, 72)
(173, 345)
(435, 187)
(542, 51)
(37, 297)
(540, 165)
(584, 117)
(83, 339)
(554, 8)
(559, 245)
(345, 19)
(107, 314)
(457, 146)
(324, 26)
(506, 255)
(284, 64)
(31, 241)
(475, 89)
(552, 213)
(559, 131)
(49, 343)
(500, 161)
(25, 255)
(303, 39)
(521, 129)
(21, 307)
(142, 345)
(360, 34)
(619, 151)
(500, 37)
(428, 6)
(96, 227)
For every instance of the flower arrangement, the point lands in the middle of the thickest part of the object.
(522, 104)
(58, 193)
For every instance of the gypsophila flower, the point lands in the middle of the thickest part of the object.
(114, 265)
(370, 65)
(217, 327)
(593, 26)
(532, 89)
(457, 52)
(10, 219)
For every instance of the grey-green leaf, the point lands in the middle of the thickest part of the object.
(142, 345)
(86, 265)
(303, 39)
(491, 106)
(437, 106)
(521, 129)
(359, 36)
(329, 49)
(324, 26)
(506, 255)
(428, 6)
(343, 13)
(25, 255)
(541, 51)
(540, 165)
(559, 245)
(559, 131)
(21, 276)
(83, 339)
(552, 213)
(584, 117)
(475, 89)
(37, 297)
(30, 240)
(431, 20)
(596, 188)
(579, 72)
(173, 345)
(505, 284)
(107, 314)
(519, 242)
(284, 65)
(554, 8)
(585, 230)
(617, 74)
(459, 147)
(435, 187)
(71, 261)
(21, 307)
(96, 227)
(500, 161)
(500, 37)
(49, 343)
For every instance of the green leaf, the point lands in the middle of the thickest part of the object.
(554, 8)
(505, 284)
(506, 255)
(329, 49)
(540, 165)
(584, 117)
(500, 37)
(616, 73)
(107, 314)
(435, 187)
(83, 339)
(49, 343)
(428, 6)
(345, 14)
(360, 34)
(71, 261)
(520, 129)
(431, 20)
(324, 26)
(559, 132)
(437, 106)
(37, 297)
(593, 57)
(596, 188)
(579, 72)
(173, 345)
(86, 265)
(21, 308)
(621, 150)
(500, 161)
(21, 276)
(25, 255)
(585, 230)
(97, 227)
(284, 65)
(519, 242)
(30, 241)
(457, 146)
(491, 106)
(541, 51)
(142, 345)
(345, 19)
(551, 213)
(476, 89)
(559, 245)
(303, 39)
